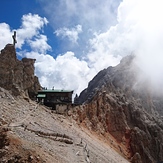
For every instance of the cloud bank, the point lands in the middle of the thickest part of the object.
(71, 34)
(28, 33)
(91, 14)
(143, 33)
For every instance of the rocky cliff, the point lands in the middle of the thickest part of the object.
(129, 79)
(15, 75)
(126, 111)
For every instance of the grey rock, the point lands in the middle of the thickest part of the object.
(117, 103)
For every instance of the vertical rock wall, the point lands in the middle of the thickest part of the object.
(15, 75)
(119, 104)
(137, 134)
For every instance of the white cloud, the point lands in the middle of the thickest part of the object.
(70, 33)
(29, 32)
(139, 30)
(39, 44)
(5, 35)
(64, 72)
(31, 26)
(142, 24)
(94, 14)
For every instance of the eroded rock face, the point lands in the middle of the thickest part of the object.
(125, 78)
(15, 75)
(112, 106)
(138, 134)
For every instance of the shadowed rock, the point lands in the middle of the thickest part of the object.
(15, 75)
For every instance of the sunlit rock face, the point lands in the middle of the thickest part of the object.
(120, 103)
(15, 75)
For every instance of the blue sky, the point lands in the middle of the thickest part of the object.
(73, 40)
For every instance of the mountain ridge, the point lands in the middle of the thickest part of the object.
(117, 102)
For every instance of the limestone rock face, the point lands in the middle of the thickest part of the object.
(126, 78)
(120, 77)
(130, 119)
(15, 75)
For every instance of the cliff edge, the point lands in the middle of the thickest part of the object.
(15, 75)
(121, 104)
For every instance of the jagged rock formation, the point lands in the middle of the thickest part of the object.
(118, 105)
(15, 75)
(125, 78)
(122, 78)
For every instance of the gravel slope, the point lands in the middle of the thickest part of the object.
(44, 136)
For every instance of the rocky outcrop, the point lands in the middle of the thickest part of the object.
(15, 75)
(129, 79)
(121, 77)
(125, 111)
(137, 134)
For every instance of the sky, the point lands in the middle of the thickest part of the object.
(73, 40)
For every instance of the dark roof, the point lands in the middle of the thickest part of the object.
(55, 91)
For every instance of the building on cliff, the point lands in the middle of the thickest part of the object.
(54, 97)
